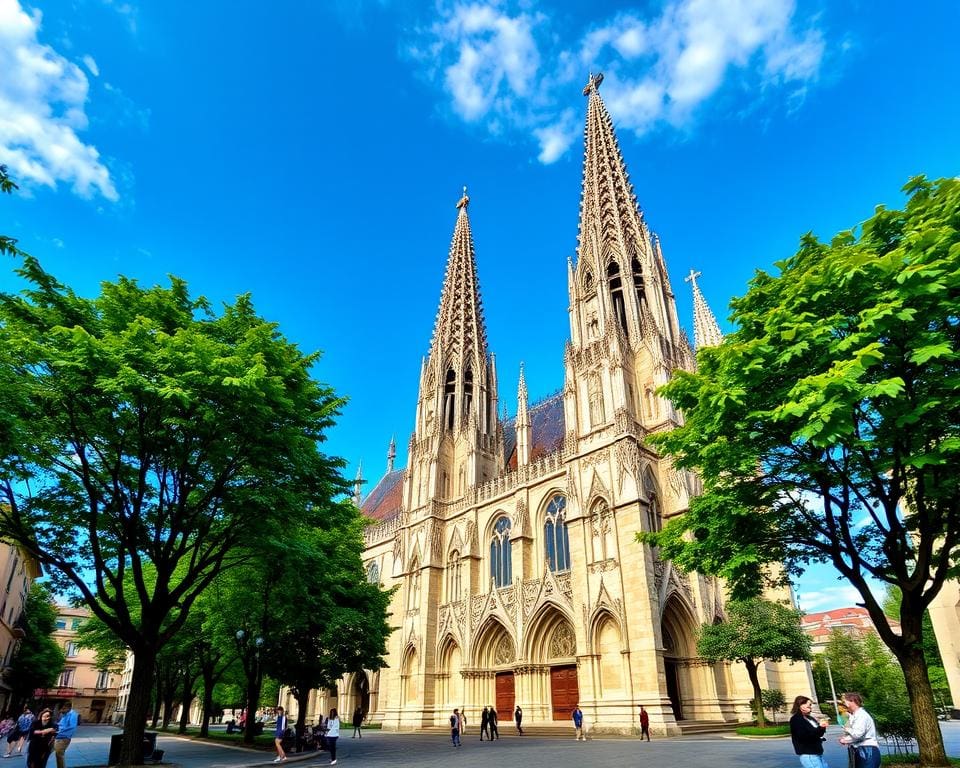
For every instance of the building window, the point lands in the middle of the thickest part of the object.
(75, 624)
(373, 573)
(453, 576)
(71, 649)
(413, 586)
(501, 565)
(555, 535)
(66, 678)
(103, 680)
(61, 624)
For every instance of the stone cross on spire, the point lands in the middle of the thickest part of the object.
(706, 332)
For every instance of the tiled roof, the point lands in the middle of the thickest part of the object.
(384, 501)
(548, 426)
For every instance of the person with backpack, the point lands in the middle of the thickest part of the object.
(19, 734)
(455, 727)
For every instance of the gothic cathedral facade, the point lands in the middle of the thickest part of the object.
(513, 542)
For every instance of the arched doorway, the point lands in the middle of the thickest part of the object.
(553, 644)
(361, 691)
(451, 674)
(679, 647)
(496, 652)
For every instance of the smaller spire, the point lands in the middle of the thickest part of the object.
(523, 424)
(706, 332)
(358, 484)
(391, 453)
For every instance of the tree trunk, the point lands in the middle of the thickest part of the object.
(929, 737)
(187, 699)
(134, 724)
(207, 700)
(751, 666)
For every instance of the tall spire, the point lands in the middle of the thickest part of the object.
(459, 331)
(706, 332)
(391, 454)
(523, 424)
(358, 485)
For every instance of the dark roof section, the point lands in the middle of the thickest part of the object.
(548, 426)
(385, 500)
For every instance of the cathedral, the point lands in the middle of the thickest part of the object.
(513, 542)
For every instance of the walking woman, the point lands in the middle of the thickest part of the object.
(806, 733)
(42, 734)
(333, 733)
(860, 734)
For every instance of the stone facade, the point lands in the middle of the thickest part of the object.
(513, 542)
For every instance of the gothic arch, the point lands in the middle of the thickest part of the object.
(494, 646)
(543, 644)
(409, 675)
(608, 649)
(450, 666)
(679, 624)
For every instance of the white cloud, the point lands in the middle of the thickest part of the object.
(90, 63)
(827, 598)
(42, 98)
(506, 69)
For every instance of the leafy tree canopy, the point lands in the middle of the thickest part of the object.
(827, 427)
(38, 661)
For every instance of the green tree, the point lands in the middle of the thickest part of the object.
(847, 659)
(38, 661)
(755, 631)
(152, 437)
(827, 427)
(774, 700)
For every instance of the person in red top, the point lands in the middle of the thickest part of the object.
(644, 724)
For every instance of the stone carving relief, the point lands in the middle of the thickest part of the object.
(521, 520)
(563, 644)
(503, 653)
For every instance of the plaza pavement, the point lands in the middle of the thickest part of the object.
(379, 749)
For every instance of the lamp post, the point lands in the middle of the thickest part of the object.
(833, 692)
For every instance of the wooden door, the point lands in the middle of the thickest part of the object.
(564, 691)
(504, 704)
(673, 687)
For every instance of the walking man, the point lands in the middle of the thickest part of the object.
(578, 724)
(485, 723)
(357, 722)
(66, 728)
(455, 727)
(644, 724)
(494, 731)
(518, 717)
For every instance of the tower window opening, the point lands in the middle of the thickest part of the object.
(615, 283)
(556, 541)
(501, 565)
(449, 402)
(467, 393)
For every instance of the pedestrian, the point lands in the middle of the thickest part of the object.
(42, 734)
(484, 723)
(518, 718)
(806, 733)
(19, 734)
(357, 722)
(494, 731)
(66, 728)
(455, 727)
(279, 731)
(644, 723)
(333, 733)
(7, 730)
(860, 734)
(578, 724)
(463, 720)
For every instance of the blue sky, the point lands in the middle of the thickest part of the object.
(312, 154)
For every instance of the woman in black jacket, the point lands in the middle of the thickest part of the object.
(807, 733)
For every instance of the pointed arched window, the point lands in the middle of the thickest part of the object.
(501, 565)
(637, 271)
(449, 402)
(467, 393)
(556, 542)
(453, 576)
(615, 283)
